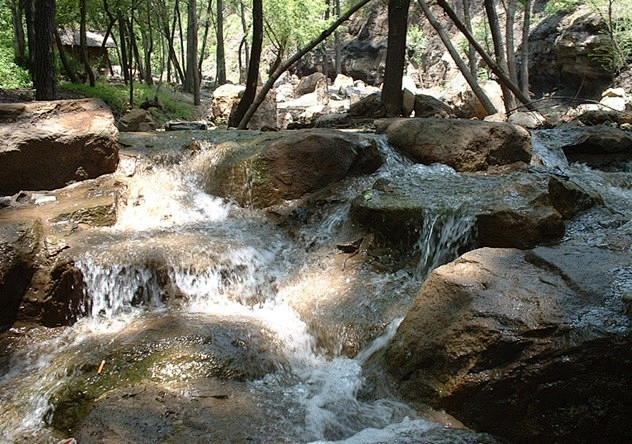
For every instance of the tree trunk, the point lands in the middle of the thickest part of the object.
(499, 50)
(72, 76)
(123, 44)
(392, 96)
(502, 76)
(172, 50)
(220, 77)
(43, 67)
(524, 51)
(83, 42)
(338, 43)
(207, 25)
(471, 52)
(19, 40)
(148, 45)
(252, 80)
(243, 124)
(192, 81)
(512, 66)
(471, 79)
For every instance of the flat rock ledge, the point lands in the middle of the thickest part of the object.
(48, 145)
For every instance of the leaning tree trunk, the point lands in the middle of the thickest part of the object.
(392, 97)
(19, 40)
(72, 76)
(502, 76)
(292, 60)
(43, 58)
(499, 50)
(252, 80)
(445, 38)
(471, 52)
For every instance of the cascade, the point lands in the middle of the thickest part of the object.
(182, 271)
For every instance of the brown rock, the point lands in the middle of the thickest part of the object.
(465, 145)
(137, 120)
(288, 165)
(530, 346)
(48, 145)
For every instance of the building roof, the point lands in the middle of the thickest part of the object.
(70, 37)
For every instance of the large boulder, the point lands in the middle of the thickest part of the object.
(48, 145)
(601, 146)
(137, 120)
(465, 145)
(503, 211)
(226, 98)
(288, 165)
(563, 49)
(531, 346)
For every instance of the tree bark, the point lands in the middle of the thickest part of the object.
(243, 124)
(499, 50)
(502, 76)
(471, 79)
(207, 25)
(148, 45)
(43, 66)
(512, 66)
(192, 81)
(19, 40)
(72, 76)
(392, 97)
(524, 51)
(220, 77)
(471, 52)
(123, 44)
(252, 80)
(83, 42)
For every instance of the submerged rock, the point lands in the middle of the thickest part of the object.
(465, 145)
(288, 165)
(47, 145)
(531, 346)
(505, 211)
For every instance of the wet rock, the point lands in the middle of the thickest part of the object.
(505, 211)
(48, 145)
(204, 358)
(342, 120)
(288, 165)
(569, 198)
(530, 346)
(18, 246)
(601, 147)
(137, 120)
(56, 295)
(465, 145)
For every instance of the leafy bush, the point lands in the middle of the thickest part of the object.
(12, 76)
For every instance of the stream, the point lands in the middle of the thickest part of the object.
(209, 322)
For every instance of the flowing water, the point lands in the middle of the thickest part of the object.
(239, 325)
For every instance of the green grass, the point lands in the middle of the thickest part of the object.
(117, 98)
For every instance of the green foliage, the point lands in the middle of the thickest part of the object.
(564, 6)
(292, 23)
(12, 76)
(615, 53)
(117, 98)
(416, 41)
